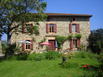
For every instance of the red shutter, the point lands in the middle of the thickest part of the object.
(23, 46)
(78, 43)
(47, 28)
(71, 44)
(23, 28)
(31, 45)
(70, 28)
(77, 28)
(55, 28)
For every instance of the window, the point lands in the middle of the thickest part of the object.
(27, 27)
(75, 43)
(73, 19)
(73, 27)
(28, 45)
(51, 28)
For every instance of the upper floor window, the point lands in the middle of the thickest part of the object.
(27, 27)
(51, 28)
(74, 28)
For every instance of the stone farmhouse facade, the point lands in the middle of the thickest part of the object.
(57, 24)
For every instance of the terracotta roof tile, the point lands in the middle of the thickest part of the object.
(63, 14)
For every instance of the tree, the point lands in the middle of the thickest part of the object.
(19, 10)
(0, 33)
(96, 41)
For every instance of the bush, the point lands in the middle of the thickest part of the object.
(37, 57)
(85, 54)
(22, 56)
(52, 55)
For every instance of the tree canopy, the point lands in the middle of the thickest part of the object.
(96, 40)
(20, 10)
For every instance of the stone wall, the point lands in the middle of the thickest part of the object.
(62, 30)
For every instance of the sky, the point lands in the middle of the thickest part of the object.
(92, 7)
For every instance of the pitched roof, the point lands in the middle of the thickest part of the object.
(63, 14)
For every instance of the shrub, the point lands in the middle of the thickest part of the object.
(22, 56)
(85, 54)
(52, 55)
(89, 74)
(36, 57)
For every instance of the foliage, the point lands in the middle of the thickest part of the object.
(70, 36)
(10, 50)
(22, 56)
(96, 41)
(1, 32)
(52, 55)
(27, 17)
(19, 10)
(51, 68)
(4, 46)
(60, 40)
(85, 54)
(81, 58)
(36, 30)
(36, 56)
(78, 36)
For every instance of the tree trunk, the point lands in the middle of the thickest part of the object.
(8, 38)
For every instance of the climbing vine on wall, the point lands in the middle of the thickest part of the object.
(62, 39)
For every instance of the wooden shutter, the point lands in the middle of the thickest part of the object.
(71, 44)
(78, 43)
(23, 46)
(70, 28)
(31, 45)
(47, 28)
(77, 28)
(55, 28)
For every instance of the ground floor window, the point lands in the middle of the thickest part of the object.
(52, 44)
(28, 45)
(74, 43)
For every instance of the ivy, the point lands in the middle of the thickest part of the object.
(60, 40)
(78, 36)
(36, 30)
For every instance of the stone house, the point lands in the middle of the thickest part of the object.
(57, 24)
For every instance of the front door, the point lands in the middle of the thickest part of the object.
(52, 45)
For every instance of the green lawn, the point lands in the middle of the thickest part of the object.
(48, 68)
(44, 68)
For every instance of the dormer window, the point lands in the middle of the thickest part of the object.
(73, 19)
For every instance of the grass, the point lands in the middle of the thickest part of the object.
(44, 68)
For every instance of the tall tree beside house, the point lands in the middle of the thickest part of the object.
(19, 11)
(12, 10)
(96, 41)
